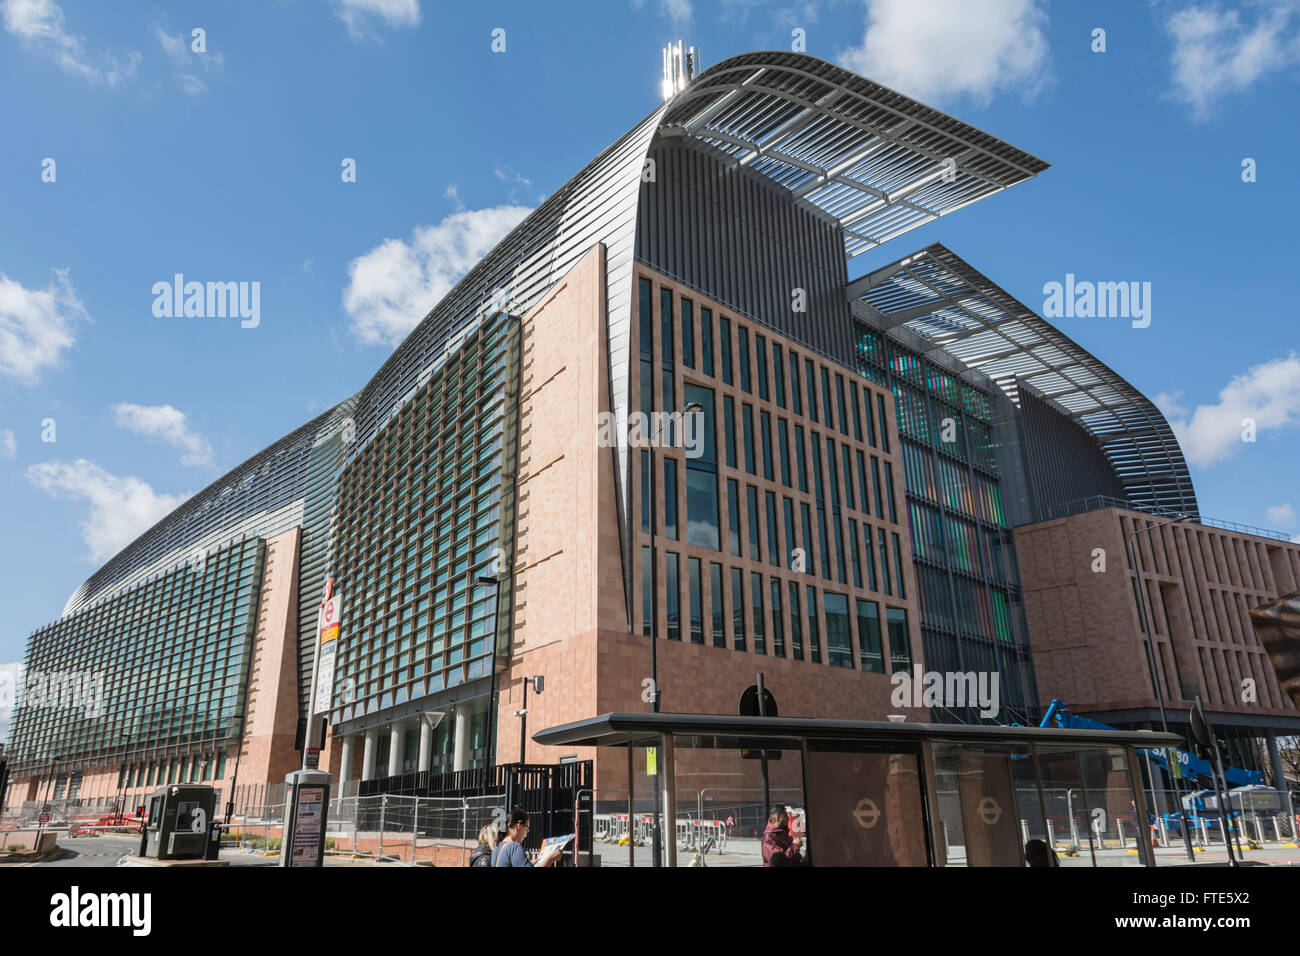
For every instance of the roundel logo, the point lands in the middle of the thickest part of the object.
(989, 811)
(329, 612)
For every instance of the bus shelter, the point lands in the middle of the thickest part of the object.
(863, 793)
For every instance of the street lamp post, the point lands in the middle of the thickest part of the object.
(689, 409)
(1151, 663)
(522, 713)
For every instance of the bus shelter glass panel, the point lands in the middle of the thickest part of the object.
(1112, 807)
(979, 804)
(725, 790)
(1091, 806)
(865, 807)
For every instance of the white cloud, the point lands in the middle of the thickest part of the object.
(359, 15)
(679, 11)
(1268, 394)
(120, 508)
(944, 48)
(178, 49)
(8, 443)
(167, 425)
(39, 24)
(1216, 54)
(1282, 515)
(36, 326)
(394, 285)
(508, 175)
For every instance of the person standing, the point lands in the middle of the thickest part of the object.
(778, 847)
(510, 851)
(487, 842)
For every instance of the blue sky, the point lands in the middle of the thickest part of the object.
(225, 165)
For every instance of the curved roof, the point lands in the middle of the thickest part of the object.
(938, 296)
(871, 158)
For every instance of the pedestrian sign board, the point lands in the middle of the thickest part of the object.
(651, 761)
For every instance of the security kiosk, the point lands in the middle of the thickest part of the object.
(177, 827)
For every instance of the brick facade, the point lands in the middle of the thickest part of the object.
(1085, 625)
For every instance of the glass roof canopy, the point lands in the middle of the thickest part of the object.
(939, 297)
(874, 160)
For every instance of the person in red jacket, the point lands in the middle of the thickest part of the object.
(779, 848)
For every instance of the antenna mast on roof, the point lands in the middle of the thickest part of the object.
(680, 67)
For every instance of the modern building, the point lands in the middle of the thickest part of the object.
(658, 406)
(1097, 621)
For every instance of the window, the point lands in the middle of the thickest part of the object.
(765, 434)
(783, 449)
(738, 609)
(729, 428)
(900, 650)
(670, 498)
(889, 491)
(862, 482)
(718, 604)
(760, 364)
(701, 508)
(697, 602)
(815, 445)
(666, 329)
(645, 313)
(898, 565)
(810, 377)
(826, 397)
(688, 334)
(674, 596)
(724, 328)
(702, 471)
(854, 557)
(807, 540)
(884, 427)
(788, 506)
(839, 547)
(742, 346)
(646, 497)
(848, 476)
(823, 543)
(839, 641)
(857, 413)
(796, 638)
(884, 560)
(773, 548)
(869, 637)
(871, 418)
(801, 465)
(875, 484)
(814, 644)
(668, 402)
(778, 374)
(778, 625)
(755, 547)
(733, 517)
(839, 397)
(706, 342)
(796, 402)
(756, 592)
(747, 425)
(834, 472)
